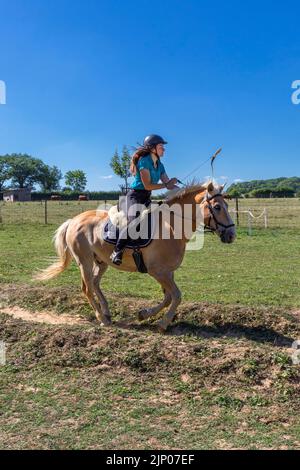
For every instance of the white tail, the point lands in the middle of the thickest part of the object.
(63, 253)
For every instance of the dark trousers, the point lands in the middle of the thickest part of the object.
(134, 196)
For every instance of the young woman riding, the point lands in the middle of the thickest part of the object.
(148, 170)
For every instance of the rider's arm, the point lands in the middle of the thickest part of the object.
(164, 177)
(146, 179)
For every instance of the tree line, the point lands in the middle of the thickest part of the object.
(276, 187)
(24, 171)
(19, 170)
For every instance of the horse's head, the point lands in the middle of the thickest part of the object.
(215, 212)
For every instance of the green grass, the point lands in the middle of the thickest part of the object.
(259, 270)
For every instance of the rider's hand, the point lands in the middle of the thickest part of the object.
(171, 184)
(172, 181)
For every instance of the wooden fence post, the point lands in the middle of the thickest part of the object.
(237, 211)
(46, 212)
(266, 218)
(249, 224)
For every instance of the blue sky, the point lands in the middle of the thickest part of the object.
(85, 77)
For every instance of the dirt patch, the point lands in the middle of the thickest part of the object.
(50, 318)
(63, 300)
(296, 314)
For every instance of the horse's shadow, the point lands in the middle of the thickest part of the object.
(258, 334)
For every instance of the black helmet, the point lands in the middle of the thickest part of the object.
(153, 139)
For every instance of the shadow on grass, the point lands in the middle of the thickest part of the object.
(228, 330)
(233, 330)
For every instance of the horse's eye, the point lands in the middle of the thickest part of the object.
(217, 207)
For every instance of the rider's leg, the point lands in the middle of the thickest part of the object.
(132, 198)
(117, 254)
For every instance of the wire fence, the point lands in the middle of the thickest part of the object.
(246, 213)
(46, 212)
(266, 213)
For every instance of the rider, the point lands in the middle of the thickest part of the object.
(147, 168)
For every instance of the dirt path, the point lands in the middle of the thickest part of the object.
(50, 318)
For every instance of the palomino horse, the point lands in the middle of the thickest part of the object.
(80, 238)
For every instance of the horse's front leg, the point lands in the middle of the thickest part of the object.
(166, 280)
(151, 312)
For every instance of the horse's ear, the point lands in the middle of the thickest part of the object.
(222, 187)
(210, 187)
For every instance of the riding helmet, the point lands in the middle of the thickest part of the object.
(153, 139)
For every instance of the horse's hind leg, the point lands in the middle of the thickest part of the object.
(99, 270)
(88, 288)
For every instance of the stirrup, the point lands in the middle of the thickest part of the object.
(116, 257)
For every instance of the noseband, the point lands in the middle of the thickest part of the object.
(212, 216)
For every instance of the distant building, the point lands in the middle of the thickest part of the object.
(17, 195)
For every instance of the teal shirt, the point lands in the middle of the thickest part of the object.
(147, 164)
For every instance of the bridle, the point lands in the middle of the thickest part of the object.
(208, 227)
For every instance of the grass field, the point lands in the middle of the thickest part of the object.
(221, 378)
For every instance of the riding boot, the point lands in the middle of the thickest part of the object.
(117, 256)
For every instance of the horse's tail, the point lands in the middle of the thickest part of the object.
(64, 255)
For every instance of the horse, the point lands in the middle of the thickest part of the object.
(81, 239)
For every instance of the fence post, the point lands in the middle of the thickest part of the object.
(249, 224)
(237, 211)
(46, 212)
(266, 218)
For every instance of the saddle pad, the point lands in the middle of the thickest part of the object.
(111, 232)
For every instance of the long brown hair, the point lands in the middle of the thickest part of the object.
(139, 153)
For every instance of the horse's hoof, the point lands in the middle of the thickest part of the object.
(142, 314)
(162, 327)
(106, 322)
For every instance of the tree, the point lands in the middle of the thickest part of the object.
(284, 191)
(24, 170)
(76, 179)
(263, 192)
(49, 178)
(280, 191)
(234, 193)
(121, 165)
(4, 171)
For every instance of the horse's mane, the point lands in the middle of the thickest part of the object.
(191, 187)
